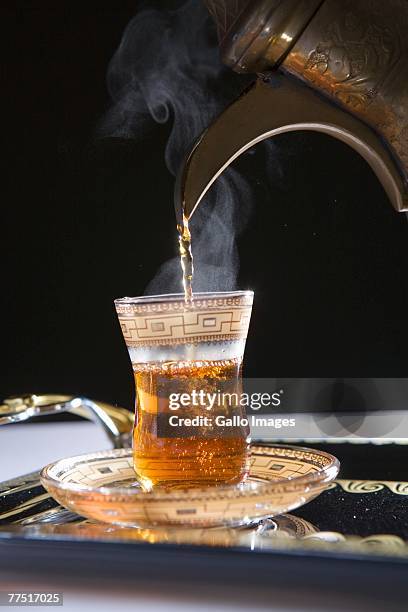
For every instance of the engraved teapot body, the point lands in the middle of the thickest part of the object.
(335, 66)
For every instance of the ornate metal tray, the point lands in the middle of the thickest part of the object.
(353, 536)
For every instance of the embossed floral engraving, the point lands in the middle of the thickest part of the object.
(356, 56)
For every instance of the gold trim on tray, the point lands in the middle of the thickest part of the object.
(372, 486)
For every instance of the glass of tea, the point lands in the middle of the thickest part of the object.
(190, 428)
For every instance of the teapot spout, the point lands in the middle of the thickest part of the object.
(272, 106)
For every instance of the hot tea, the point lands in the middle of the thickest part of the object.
(186, 259)
(186, 444)
(188, 351)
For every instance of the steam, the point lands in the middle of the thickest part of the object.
(167, 69)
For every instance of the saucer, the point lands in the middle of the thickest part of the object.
(102, 486)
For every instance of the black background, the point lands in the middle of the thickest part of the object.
(324, 251)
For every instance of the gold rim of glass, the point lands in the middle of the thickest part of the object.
(171, 297)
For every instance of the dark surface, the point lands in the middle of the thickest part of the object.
(349, 581)
(358, 514)
(348, 574)
(353, 576)
(368, 461)
(324, 251)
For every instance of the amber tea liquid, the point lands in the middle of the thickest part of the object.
(201, 452)
(206, 456)
(186, 260)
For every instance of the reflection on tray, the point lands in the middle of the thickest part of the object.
(361, 517)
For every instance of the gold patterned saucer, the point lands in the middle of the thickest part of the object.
(102, 486)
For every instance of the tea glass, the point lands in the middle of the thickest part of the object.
(190, 428)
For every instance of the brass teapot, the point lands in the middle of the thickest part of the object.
(335, 66)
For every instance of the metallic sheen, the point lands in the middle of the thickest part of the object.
(116, 422)
(354, 52)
